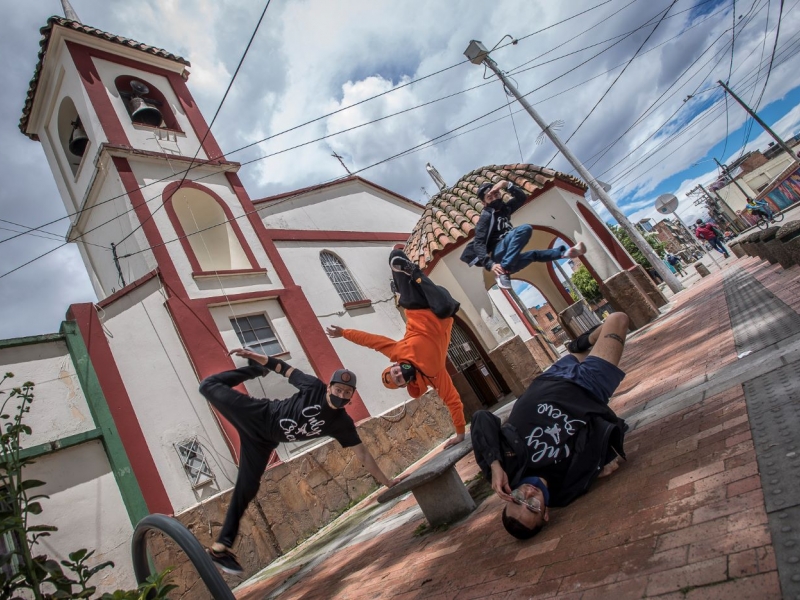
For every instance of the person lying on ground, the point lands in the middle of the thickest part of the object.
(561, 434)
(316, 410)
(497, 246)
(418, 360)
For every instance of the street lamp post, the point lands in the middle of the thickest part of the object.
(477, 53)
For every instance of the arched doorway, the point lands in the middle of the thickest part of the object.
(475, 376)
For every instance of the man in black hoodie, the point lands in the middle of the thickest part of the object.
(497, 246)
(560, 436)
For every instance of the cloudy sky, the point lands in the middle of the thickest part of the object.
(312, 57)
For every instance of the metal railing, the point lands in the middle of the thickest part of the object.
(190, 546)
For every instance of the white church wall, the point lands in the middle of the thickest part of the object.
(350, 206)
(59, 408)
(86, 506)
(163, 390)
(368, 264)
(509, 314)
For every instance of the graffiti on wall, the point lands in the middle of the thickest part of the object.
(788, 192)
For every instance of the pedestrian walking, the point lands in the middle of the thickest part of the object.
(497, 245)
(709, 233)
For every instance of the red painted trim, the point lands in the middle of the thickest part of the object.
(98, 95)
(167, 195)
(606, 237)
(574, 189)
(127, 289)
(357, 304)
(127, 151)
(198, 274)
(196, 119)
(308, 235)
(519, 312)
(119, 403)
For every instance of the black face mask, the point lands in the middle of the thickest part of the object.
(338, 401)
(408, 371)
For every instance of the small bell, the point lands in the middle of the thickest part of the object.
(78, 140)
(143, 113)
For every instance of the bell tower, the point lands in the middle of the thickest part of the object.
(150, 194)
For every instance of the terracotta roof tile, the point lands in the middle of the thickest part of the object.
(451, 215)
(47, 30)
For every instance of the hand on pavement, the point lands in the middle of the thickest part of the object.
(396, 480)
(245, 353)
(334, 331)
(500, 482)
(456, 440)
(497, 269)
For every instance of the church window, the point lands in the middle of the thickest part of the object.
(340, 277)
(255, 333)
(194, 462)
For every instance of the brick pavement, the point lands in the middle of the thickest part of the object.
(684, 517)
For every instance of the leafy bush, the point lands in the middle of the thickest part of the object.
(23, 573)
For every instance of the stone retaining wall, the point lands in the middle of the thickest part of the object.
(299, 497)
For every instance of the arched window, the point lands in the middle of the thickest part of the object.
(145, 103)
(341, 278)
(208, 231)
(71, 134)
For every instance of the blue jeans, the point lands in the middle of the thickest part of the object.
(509, 254)
(717, 245)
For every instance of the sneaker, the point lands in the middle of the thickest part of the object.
(400, 264)
(577, 250)
(581, 343)
(226, 560)
(503, 281)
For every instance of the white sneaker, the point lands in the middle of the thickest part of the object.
(503, 281)
(577, 250)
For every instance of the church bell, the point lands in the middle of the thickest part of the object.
(143, 113)
(78, 140)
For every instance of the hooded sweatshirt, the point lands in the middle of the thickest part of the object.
(705, 231)
(424, 346)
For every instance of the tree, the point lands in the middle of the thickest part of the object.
(583, 280)
(24, 573)
(628, 244)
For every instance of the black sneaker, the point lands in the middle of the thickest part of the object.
(581, 343)
(226, 560)
(400, 264)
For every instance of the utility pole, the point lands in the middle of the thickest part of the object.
(758, 120)
(477, 53)
(727, 175)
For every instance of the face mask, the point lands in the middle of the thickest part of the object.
(408, 371)
(536, 482)
(338, 401)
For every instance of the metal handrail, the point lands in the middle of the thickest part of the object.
(190, 546)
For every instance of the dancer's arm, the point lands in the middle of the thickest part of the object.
(366, 458)
(380, 343)
(449, 395)
(518, 197)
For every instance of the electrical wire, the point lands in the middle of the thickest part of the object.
(316, 119)
(616, 79)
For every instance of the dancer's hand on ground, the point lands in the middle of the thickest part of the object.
(456, 440)
(610, 468)
(500, 482)
(245, 353)
(396, 480)
(497, 269)
(334, 331)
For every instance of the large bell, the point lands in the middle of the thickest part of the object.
(78, 140)
(143, 113)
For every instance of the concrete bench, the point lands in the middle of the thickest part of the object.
(437, 488)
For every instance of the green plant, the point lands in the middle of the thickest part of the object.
(23, 573)
(628, 244)
(583, 280)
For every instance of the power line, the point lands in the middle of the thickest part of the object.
(314, 120)
(616, 79)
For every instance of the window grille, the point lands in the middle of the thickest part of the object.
(194, 463)
(341, 278)
(549, 316)
(461, 351)
(255, 333)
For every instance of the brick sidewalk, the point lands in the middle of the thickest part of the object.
(683, 518)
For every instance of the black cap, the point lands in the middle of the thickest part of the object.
(482, 189)
(344, 377)
(699, 221)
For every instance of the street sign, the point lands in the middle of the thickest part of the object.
(666, 203)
